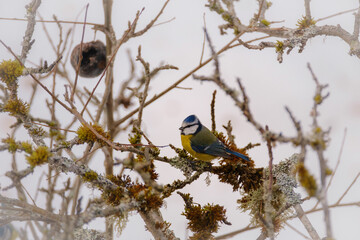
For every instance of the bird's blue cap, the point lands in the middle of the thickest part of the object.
(190, 119)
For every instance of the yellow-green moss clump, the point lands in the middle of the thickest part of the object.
(305, 23)
(279, 47)
(39, 156)
(318, 99)
(90, 176)
(135, 137)
(35, 131)
(85, 135)
(227, 17)
(328, 172)
(10, 70)
(16, 106)
(56, 134)
(306, 179)
(143, 194)
(265, 22)
(12, 144)
(27, 147)
(317, 139)
(203, 221)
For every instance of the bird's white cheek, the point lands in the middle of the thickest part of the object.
(190, 130)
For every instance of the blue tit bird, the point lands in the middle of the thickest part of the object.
(201, 143)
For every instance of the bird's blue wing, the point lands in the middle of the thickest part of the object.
(217, 149)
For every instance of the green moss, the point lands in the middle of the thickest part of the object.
(279, 47)
(27, 147)
(13, 146)
(317, 130)
(155, 151)
(90, 176)
(85, 135)
(163, 226)
(265, 22)
(318, 99)
(328, 172)
(306, 179)
(65, 144)
(10, 70)
(203, 221)
(236, 31)
(217, 8)
(305, 23)
(16, 106)
(227, 17)
(143, 194)
(113, 197)
(39, 156)
(56, 134)
(317, 139)
(36, 131)
(135, 136)
(53, 132)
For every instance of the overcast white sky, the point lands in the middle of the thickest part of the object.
(270, 87)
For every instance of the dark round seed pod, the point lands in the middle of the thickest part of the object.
(93, 59)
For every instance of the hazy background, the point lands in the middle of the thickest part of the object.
(270, 87)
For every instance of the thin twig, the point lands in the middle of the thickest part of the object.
(80, 56)
(212, 105)
(234, 233)
(357, 25)
(268, 192)
(307, 10)
(306, 222)
(53, 127)
(203, 45)
(319, 148)
(336, 166)
(174, 85)
(297, 231)
(336, 14)
(31, 14)
(144, 94)
(49, 21)
(164, 22)
(122, 40)
(300, 136)
(262, 10)
(347, 190)
(151, 23)
(36, 80)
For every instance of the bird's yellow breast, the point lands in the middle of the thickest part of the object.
(186, 142)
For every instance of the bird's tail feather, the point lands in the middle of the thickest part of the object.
(242, 156)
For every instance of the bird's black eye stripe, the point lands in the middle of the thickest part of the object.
(182, 128)
(191, 125)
